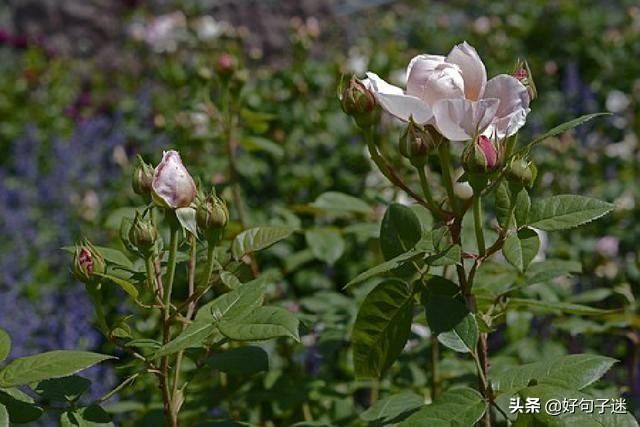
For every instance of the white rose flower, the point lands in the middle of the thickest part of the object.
(452, 93)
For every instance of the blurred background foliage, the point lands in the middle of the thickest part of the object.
(84, 86)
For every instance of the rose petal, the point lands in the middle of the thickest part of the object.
(432, 79)
(427, 61)
(473, 71)
(514, 104)
(461, 119)
(172, 182)
(395, 102)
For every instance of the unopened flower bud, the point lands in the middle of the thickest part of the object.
(87, 261)
(481, 156)
(225, 65)
(143, 235)
(417, 142)
(523, 74)
(172, 186)
(463, 190)
(142, 178)
(212, 216)
(522, 171)
(358, 102)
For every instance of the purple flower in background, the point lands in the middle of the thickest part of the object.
(607, 246)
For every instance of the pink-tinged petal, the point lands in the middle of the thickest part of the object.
(172, 186)
(514, 104)
(474, 72)
(432, 80)
(374, 83)
(426, 61)
(489, 151)
(462, 120)
(395, 102)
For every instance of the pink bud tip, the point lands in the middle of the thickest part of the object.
(489, 151)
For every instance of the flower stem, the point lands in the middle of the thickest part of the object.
(386, 169)
(191, 308)
(477, 221)
(447, 176)
(433, 207)
(169, 406)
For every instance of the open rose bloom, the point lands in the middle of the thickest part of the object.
(452, 93)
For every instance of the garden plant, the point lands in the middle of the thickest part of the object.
(306, 221)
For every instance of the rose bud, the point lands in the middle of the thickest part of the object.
(87, 261)
(522, 171)
(463, 190)
(143, 235)
(480, 156)
(225, 65)
(142, 179)
(358, 102)
(172, 186)
(417, 142)
(212, 217)
(523, 74)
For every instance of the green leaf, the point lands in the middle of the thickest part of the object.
(385, 267)
(256, 143)
(400, 231)
(503, 203)
(382, 328)
(555, 307)
(393, 408)
(444, 305)
(91, 416)
(574, 371)
(262, 323)
(258, 238)
(449, 256)
(5, 344)
(520, 248)
(193, 336)
(547, 392)
(237, 303)
(230, 280)
(325, 243)
(545, 270)
(52, 364)
(240, 361)
(460, 407)
(187, 218)
(126, 286)
(566, 211)
(522, 208)
(563, 128)
(114, 256)
(464, 337)
(63, 389)
(21, 406)
(4, 416)
(340, 202)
